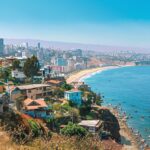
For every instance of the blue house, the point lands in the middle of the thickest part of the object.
(74, 95)
(37, 108)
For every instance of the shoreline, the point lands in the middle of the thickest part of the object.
(82, 74)
(128, 139)
(125, 131)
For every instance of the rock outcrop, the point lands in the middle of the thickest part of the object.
(110, 123)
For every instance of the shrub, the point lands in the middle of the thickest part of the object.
(66, 86)
(74, 130)
(84, 110)
(35, 128)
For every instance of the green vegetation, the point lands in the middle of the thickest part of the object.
(74, 130)
(31, 67)
(16, 64)
(66, 86)
(5, 74)
(58, 93)
(23, 129)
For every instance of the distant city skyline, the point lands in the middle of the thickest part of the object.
(105, 22)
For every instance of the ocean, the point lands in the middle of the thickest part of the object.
(128, 87)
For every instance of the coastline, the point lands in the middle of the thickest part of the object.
(128, 138)
(80, 75)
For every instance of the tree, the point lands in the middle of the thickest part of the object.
(74, 113)
(66, 86)
(58, 93)
(5, 74)
(31, 67)
(73, 130)
(84, 110)
(16, 64)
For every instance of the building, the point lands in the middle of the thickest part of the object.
(22, 60)
(74, 95)
(55, 83)
(60, 61)
(19, 75)
(1, 47)
(77, 52)
(81, 85)
(36, 108)
(58, 69)
(92, 126)
(7, 61)
(79, 66)
(39, 45)
(32, 91)
(46, 71)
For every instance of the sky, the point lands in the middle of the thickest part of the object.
(104, 22)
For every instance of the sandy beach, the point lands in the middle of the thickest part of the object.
(128, 139)
(77, 76)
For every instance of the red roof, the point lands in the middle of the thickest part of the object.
(30, 104)
(27, 101)
(25, 116)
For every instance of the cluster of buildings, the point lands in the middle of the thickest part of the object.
(30, 99)
(53, 63)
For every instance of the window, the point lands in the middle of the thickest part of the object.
(29, 91)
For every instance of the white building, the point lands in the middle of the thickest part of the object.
(18, 74)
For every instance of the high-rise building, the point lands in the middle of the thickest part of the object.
(27, 45)
(39, 45)
(60, 61)
(1, 47)
(77, 52)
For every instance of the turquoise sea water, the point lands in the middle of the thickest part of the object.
(130, 88)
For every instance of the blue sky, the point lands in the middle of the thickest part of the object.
(107, 22)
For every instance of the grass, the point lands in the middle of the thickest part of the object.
(58, 142)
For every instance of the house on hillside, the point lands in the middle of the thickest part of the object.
(81, 85)
(74, 95)
(33, 91)
(37, 108)
(92, 126)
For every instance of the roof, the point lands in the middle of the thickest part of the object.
(10, 88)
(25, 116)
(27, 101)
(90, 123)
(32, 86)
(38, 103)
(54, 81)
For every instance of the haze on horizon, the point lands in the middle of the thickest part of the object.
(104, 22)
